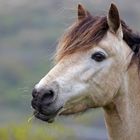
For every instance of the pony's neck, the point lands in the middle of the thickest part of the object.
(123, 114)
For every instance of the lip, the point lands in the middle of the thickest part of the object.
(47, 117)
(43, 117)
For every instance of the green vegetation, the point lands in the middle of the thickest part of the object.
(22, 132)
(32, 132)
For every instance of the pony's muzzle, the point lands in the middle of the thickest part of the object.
(43, 98)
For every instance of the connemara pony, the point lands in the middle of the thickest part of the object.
(97, 63)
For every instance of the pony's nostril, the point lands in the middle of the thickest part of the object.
(34, 93)
(49, 94)
(48, 97)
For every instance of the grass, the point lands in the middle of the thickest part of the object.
(28, 131)
(23, 132)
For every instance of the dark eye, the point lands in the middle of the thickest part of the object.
(98, 56)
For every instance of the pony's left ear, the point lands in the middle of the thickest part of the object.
(113, 20)
(82, 12)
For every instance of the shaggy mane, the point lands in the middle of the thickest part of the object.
(82, 35)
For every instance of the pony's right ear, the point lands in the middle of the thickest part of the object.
(114, 21)
(82, 12)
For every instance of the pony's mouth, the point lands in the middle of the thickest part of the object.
(47, 117)
(43, 117)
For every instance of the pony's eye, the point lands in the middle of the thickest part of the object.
(98, 56)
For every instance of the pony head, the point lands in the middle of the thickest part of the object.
(91, 59)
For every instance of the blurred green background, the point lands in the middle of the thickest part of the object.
(29, 32)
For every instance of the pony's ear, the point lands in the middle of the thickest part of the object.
(82, 12)
(113, 20)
